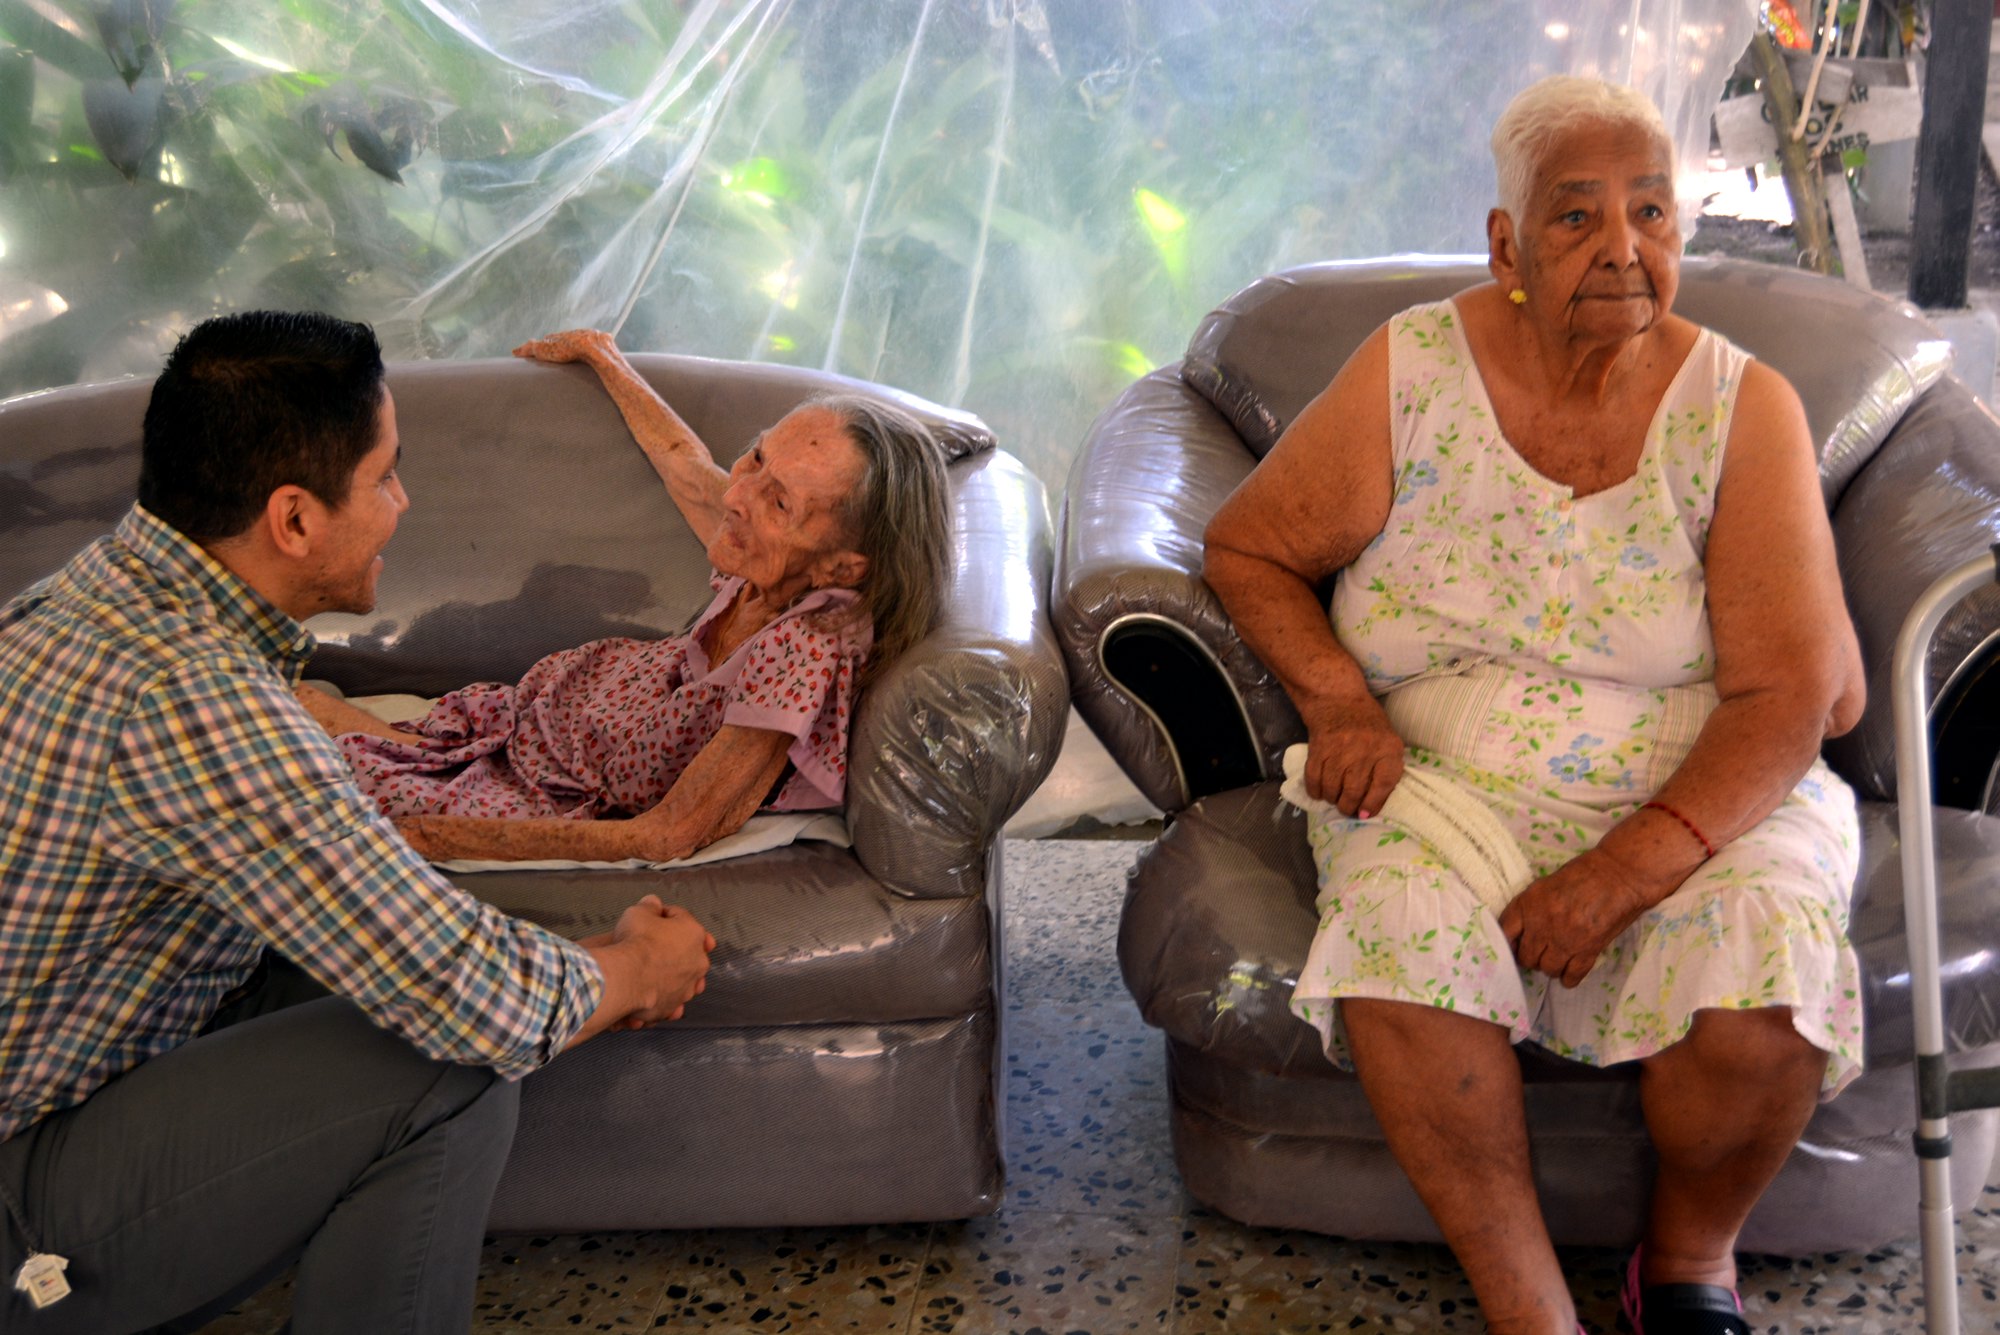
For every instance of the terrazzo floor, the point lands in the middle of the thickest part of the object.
(1096, 1234)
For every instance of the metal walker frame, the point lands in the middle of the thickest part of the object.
(1940, 1091)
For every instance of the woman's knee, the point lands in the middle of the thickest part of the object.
(1757, 1045)
(1417, 1031)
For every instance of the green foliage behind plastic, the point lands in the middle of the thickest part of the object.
(1010, 205)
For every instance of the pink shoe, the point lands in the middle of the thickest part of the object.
(1681, 1309)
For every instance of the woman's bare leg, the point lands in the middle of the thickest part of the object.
(1724, 1106)
(1447, 1090)
(337, 716)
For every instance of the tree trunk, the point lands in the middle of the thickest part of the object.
(1803, 182)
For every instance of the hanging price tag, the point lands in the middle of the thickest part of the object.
(41, 1278)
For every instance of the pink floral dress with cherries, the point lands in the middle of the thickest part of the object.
(605, 729)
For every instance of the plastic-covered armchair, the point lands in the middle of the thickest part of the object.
(1220, 909)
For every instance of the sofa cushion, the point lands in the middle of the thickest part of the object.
(1220, 915)
(804, 1126)
(803, 935)
(501, 457)
(477, 592)
(1309, 1154)
(1857, 360)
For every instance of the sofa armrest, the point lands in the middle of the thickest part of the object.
(953, 737)
(1156, 669)
(1928, 501)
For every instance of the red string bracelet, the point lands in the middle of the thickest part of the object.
(1700, 838)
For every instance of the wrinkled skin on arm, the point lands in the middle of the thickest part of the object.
(693, 478)
(337, 716)
(721, 788)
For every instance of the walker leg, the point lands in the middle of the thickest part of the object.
(1932, 1142)
(1940, 1247)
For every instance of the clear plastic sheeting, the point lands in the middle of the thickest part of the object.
(1011, 206)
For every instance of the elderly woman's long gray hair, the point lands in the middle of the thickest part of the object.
(900, 517)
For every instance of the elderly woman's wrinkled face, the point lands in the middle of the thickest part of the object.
(781, 527)
(1600, 247)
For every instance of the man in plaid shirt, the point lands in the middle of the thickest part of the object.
(242, 1024)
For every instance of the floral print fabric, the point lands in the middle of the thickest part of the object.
(605, 729)
(1552, 653)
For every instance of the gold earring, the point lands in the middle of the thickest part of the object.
(1518, 296)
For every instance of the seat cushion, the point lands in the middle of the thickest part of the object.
(1220, 915)
(801, 1126)
(1305, 1153)
(537, 524)
(803, 935)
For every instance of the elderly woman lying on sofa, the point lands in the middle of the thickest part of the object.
(829, 539)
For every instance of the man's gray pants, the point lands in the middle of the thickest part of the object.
(298, 1135)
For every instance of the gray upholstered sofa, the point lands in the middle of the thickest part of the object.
(843, 1064)
(1220, 909)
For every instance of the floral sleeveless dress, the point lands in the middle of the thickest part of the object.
(1552, 653)
(605, 729)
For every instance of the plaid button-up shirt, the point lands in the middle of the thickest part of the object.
(168, 810)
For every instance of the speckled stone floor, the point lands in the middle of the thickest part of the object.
(1096, 1234)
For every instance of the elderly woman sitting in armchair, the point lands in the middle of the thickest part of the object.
(1587, 611)
(830, 539)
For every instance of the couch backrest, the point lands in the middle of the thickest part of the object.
(535, 524)
(1857, 359)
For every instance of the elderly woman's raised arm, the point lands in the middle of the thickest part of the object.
(1305, 512)
(678, 455)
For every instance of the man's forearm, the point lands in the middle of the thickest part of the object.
(623, 991)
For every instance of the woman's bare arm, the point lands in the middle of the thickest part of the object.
(694, 480)
(1787, 664)
(1788, 672)
(1312, 505)
(721, 788)
(337, 716)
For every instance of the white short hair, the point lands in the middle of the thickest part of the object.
(1549, 108)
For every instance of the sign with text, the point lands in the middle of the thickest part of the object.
(1875, 101)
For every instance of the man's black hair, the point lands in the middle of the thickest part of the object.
(252, 402)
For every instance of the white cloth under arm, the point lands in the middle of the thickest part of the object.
(1444, 816)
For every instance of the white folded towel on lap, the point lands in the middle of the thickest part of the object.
(767, 829)
(1444, 816)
